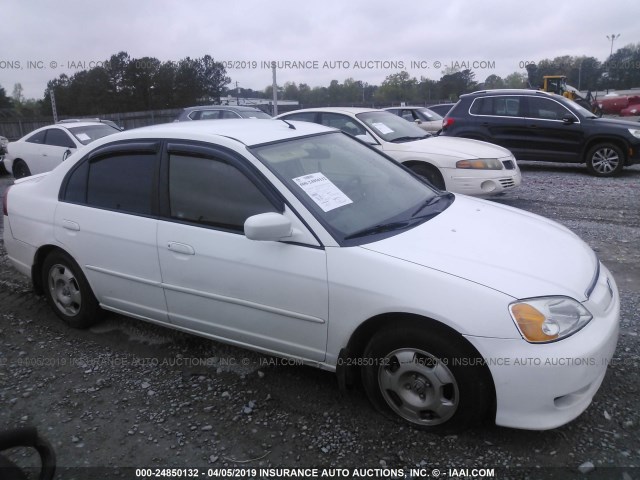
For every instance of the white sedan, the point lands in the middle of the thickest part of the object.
(294, 239)
(46, 147)
(456, 164)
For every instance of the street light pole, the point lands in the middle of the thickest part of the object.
(611, 37)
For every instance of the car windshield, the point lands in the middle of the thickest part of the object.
(391, 127)
(89, 133)
(428, 115)
(254, 114)
(358, 194)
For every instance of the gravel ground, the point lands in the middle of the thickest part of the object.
(131, 394)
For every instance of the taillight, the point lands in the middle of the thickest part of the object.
(447, 122)
(5, 197)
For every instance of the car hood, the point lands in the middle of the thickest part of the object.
(515, 252)
(614, 122)
(462, 148)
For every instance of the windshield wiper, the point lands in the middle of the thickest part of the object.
(432, 201)
(380, 228)
(409, 138)
(428, 203)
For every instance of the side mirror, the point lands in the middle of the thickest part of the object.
(267, 227)
(418, 121)
(568, 119)
(366, 138)
(66, 154)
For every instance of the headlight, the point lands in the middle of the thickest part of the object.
(635, 132)
(480, 163)
(547, 319)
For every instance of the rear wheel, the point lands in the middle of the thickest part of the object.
(430, 173)
(20, 169)
(428, 378)
(68, 292)
(605, 160)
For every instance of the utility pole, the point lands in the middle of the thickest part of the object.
(275, 89)
(237, 94)
(53, 106)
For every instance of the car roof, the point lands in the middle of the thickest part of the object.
(248, 132)
(407, 106)
(239, 108)
(350, 110)
(509, 91)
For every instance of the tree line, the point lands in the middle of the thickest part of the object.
(125, 84)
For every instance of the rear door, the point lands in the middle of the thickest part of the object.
(106, 221)
(500, 120)
(56, 144)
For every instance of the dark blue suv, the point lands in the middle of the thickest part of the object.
(541, 126)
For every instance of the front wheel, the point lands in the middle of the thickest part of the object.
(428, 378)
(68, 292)
(431, 174)
(20, 169)
(605, 160)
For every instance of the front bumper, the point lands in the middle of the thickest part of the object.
(480, 182)
(543, 386)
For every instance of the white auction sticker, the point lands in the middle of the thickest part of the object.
(322, 191)
(382, 128)
(83, 137)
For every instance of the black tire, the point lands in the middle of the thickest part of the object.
(20, 169)
(429, 173)
(605, 160)
(426, 377)
(68, 292)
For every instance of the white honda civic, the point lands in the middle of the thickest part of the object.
(296, 240)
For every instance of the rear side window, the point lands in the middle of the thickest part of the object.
(208, 115)
(37, 137)
(212, 192)
(504, 106)
(302, 117)
(122, 182)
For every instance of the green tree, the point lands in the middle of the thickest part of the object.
(623, 67)
(493, 82)
(516, 80)
(455, 84)
(5, 102)
(397, 87)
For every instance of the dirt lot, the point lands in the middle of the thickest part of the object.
(133, 395)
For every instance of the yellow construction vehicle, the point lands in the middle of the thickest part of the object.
(558, 84)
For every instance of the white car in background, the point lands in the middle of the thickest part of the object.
(47, 147)
(296, 240)
(455, 164)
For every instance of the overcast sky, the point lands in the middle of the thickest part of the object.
(364, 40)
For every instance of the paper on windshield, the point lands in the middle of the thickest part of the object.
(382, 128)
(83, 137)
(322, 191)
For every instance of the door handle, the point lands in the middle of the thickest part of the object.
(69, 225)
(181, 248)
